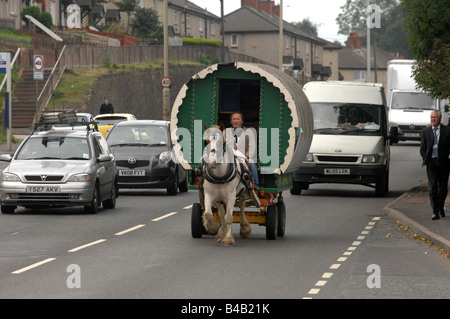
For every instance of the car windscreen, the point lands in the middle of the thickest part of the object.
(347, 118)
(412, 100)
(110, 120)
(147, 135)
(54, 147)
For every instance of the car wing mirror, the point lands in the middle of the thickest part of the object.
(104, 158)
(5, 157)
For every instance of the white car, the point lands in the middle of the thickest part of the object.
(60, 168)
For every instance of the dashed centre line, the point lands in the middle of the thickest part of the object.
(348, 252)
(129, 230)
(33, 266)
(87, 245)
(164, 216)
(19, 271)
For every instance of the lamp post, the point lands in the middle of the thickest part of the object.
(368, 45)
(222, 33)
(166, 90)
(280, 44)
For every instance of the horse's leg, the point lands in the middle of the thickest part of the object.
(246, 228)
(208, 221)
(221, 212)
(228, 220)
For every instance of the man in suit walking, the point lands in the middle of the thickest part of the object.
(435, 152)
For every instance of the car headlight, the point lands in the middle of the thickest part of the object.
(373, 158)
(9, 177)
(309, 157)
(84, 177)
(164, 157)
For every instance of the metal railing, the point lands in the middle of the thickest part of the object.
(52, 82)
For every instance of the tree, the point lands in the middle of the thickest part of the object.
(308, 26)
(354, 13)
(127, 6)
(145, 24)
(392, 34)
(429, 40)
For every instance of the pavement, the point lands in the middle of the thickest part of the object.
(412, 209)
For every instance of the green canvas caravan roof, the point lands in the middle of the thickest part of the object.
(270, 100)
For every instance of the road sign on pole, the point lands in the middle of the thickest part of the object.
(38, 67)
(166, 82)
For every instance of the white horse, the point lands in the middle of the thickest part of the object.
(224, 186)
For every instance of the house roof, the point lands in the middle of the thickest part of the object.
(351, 58)
(192, 7)
(249, 20)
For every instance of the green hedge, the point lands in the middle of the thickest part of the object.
(202, 42)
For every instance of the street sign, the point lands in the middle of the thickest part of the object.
(166, 82)
(3, 57)
(38, 67)
(5, 67)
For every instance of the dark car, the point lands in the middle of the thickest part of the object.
(142, 149)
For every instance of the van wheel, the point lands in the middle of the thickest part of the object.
(8, 209)
(296, 189)
(382, 185)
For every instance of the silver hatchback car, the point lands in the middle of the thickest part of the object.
(60, 168)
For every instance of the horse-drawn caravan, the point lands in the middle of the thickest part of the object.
(274, 105)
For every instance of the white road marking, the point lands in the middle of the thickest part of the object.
(164, 216)
(129, 230)
(188, 207)
(348, 252)
(87, 245)
(33, 266)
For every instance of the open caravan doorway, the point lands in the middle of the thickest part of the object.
(239, 96)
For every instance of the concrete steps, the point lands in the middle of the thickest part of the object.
(24, 99)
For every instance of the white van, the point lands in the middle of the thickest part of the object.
(350, 143)
(409, 109)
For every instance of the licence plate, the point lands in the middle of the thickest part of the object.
(130, 172)
(336, 171)
(43, 189)
(412, 134)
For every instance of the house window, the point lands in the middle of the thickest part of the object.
(211, 28)
(234, 40)
(200, 25)
(359, 75)
(155, 5)
(13, 7)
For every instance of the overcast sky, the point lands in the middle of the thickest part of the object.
(321, 12)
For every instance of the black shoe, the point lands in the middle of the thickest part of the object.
(435, 216)
(442, 214)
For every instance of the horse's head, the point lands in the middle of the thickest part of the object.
(215, 145)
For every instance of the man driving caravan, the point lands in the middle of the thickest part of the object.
(245, 142)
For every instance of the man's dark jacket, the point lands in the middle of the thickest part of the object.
(427, 141)
(106, 108)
